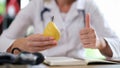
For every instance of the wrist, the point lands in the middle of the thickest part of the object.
(16, 44)
(101, 44)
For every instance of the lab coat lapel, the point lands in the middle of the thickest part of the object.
(57, 16)
(54, 11)
(72, 14)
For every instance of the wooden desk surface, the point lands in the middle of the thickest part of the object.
(86, 66)
(45, 66)
(90, 66)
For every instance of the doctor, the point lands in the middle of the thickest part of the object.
(76, 32)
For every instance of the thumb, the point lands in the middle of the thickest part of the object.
(87, 20)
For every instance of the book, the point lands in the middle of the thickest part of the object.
(116, 59)
(61, 61)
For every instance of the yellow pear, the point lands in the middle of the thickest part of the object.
(52, 30)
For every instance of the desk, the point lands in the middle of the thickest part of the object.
(87, 66)
(45, 66)
(13, 66)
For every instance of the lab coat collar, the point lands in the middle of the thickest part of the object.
(70, 15)
(80, 4)
(51, 5)
(54, 11)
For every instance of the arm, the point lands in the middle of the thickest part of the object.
(105, 50)
(18, 27)
(35, 42)
(32, 43)
(107, 41)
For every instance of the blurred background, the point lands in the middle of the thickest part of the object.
(8, 11)
(10, 8)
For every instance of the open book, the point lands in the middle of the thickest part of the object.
(55, 61)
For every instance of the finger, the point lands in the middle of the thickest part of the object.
(84, 37)
(39, 37)
(89, 46)
(84, 31)
(87, 20)
(43, 48)
(86, 46)
(45, 38)
(88, 36)
(40, 44)
(36, 49)
(85, 41)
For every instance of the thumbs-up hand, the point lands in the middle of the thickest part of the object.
(88, 36)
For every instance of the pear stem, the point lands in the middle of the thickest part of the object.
(52, 18)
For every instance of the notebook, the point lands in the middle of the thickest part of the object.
(60, 61)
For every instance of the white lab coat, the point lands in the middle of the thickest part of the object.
(69, 43)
